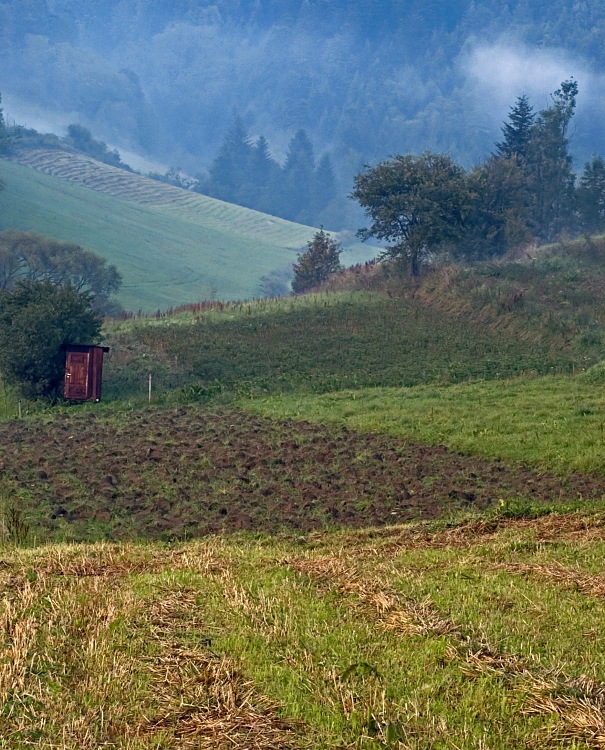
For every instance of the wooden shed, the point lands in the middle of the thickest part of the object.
(83, 372)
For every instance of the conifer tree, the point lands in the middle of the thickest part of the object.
(591, 197)
(264, 175)
(317, 263)
(323, 186)
(230, 170)
(4, 138)
(517, 132)
(298, 178)
(499, 219)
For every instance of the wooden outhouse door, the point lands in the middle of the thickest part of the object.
(77, 367)
(83, 372)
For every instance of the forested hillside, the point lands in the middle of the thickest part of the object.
(364, 80)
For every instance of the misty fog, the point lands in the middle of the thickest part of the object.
(165, 81)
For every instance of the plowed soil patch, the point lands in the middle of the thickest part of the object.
(185, 472)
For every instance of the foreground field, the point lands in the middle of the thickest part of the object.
(166, 473)
(482, 635)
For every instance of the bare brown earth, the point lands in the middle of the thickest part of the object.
(190, 471)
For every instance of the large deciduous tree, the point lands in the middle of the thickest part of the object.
(499, 219)
(25, 255)
(416, 203)
(37, 319)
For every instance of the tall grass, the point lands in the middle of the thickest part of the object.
(337, 342)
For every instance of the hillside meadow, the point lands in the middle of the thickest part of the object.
(168, 244)
(347, 520)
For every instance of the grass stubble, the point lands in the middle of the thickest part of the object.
(410, 637)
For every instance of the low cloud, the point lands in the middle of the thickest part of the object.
(502, 71)
(496, 74)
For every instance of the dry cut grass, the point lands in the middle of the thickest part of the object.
(87, 662)
(409, 637)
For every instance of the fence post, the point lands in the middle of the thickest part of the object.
(149, 395)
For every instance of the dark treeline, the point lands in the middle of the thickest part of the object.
(302, 189)
(527, 191)
(363, 80)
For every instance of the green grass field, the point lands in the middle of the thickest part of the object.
(169, 251)
(554, 422)
(323, 343)
(284, 604)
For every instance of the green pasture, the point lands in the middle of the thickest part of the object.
(556, 422)
(363, 639)
(321, 343)
(167, 254)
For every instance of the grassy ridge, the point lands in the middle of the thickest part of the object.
(342, 341)
(168, 252)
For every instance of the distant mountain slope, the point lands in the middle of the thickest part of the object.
(170, 245)
(364, 79)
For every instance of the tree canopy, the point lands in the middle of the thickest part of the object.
(417, 203)
(37, 320)
(320, 260)
(25, 255)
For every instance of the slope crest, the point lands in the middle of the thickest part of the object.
(87, 172)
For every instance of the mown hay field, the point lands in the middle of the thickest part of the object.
(480, 634)
(167, 243)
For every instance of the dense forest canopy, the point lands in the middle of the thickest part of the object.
(363, 80)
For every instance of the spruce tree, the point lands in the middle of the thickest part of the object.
(323, 187)
(4, 137)
(230, 170)
(264, 173)
(298, 173)
(591, 197)
(517, 131)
